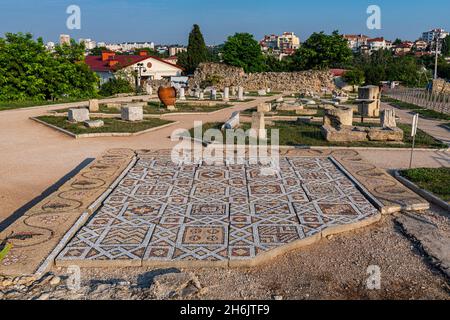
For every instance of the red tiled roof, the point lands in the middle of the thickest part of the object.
(338, 72)
(381, 39)
(96, 63)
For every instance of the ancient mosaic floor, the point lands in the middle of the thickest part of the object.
(163, 213)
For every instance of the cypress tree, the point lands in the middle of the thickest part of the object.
(197, 51)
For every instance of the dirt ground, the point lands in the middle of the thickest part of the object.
(335, 268)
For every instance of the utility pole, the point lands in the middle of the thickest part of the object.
(139, 69)
(437, 38)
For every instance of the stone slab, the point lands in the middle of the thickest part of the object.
(78, 114)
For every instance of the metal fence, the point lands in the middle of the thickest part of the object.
(422, 98)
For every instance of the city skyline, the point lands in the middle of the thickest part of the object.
(159, 21)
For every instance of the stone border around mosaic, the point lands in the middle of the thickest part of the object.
(424, 193)
(39, 235)
(103, 134)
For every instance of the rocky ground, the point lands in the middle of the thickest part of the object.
(335, 268)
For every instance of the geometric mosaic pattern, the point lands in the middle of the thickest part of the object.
(165, 212)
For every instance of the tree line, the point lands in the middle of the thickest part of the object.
(319, 51)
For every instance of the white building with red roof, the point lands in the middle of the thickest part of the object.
(109, 65)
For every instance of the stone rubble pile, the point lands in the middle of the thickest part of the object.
(306, 82)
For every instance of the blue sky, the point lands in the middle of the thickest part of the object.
(169, 21)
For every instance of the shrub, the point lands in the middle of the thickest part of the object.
(115, 86)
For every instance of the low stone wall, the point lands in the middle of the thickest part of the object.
(228, 76)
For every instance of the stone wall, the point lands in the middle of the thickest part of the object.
(441, 86)
(227, 76)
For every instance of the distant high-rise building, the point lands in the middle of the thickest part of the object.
(64, 39)
(429, 36)
(50, 46)
(88, 43)
(288, 40)
(286, 44)
(173, 51)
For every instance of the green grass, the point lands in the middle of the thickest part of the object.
(294, 133)
(268, 94)
(111, 125)
(320, 112)
(157, 108)
(434, 180)
(426, 113)
(6, 105)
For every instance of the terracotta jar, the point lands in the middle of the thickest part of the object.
(167, 95)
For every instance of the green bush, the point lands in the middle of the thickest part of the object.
(115, 86)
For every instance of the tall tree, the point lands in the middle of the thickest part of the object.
(242, 50)
(196, 53)
(322, 51)
(446, 46)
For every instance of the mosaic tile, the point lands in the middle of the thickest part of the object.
(165, 212)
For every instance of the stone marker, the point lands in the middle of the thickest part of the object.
(78, 114)
(241, 94)
(201, 95)
(262, 92)
(213, 94)
(264, 107)
(94, 123)
(149, 89)
(369, 104)
(233, 122)
(387, 119)
(233, 91)
(258, 129)
(182, 95)
(226, 94)
(132, 113)
(93, 105)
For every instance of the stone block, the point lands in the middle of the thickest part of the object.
(78, 114)
(241, 94)
(233, 122)
(258, 129)
(387, 119)
(264, 107)
(337, 117)
(385, 134)
(182, 94)
(226, 94)
(347, 134)
(94, 123)
(262, 92)
(93, 105)
(132, 113)
(369, 109)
